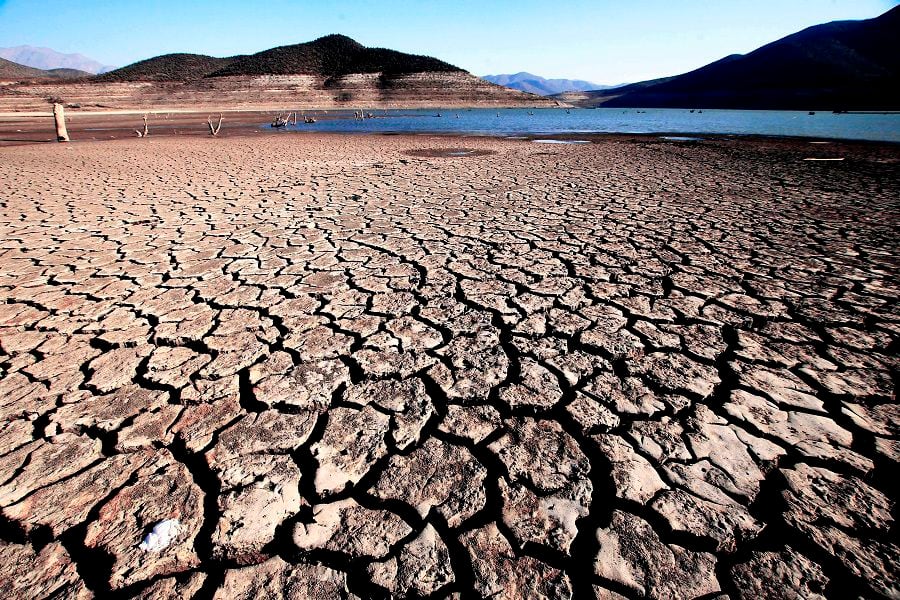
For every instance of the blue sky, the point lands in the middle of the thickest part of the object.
(605, 41)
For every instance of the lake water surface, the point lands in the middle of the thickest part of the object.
(517, 122)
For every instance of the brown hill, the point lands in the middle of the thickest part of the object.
(332, 55)
(11, 70)
(169, 67)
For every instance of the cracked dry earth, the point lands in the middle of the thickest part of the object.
(350, 370)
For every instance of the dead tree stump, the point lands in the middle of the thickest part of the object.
(146, 132)
(59, 116)
(214, 130)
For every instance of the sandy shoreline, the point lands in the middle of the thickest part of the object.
(411, 365)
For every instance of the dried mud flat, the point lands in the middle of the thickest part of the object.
(615, 370)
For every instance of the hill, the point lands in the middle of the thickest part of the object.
(847, 65)
(49, 59)
(11, 71)
(535, 84)
(330, 72)
(332, 55)
(169, 67)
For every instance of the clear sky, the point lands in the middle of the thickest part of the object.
(604, 41)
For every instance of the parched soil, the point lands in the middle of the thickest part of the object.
(354, 367)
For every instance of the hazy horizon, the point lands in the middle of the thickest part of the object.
(594, 41)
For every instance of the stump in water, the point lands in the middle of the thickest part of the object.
(59, 115)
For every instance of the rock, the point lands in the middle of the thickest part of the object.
(43, 463)
(500, 574)
(473, 423)
(782, 575)
(48, 573)
(278, 580)
(546, 519)
(108, 412)
(678, 374)
(421, 568)
(164, 490)
(345, 526)
(725, 521)
(541, 454)
(848, 519)
(591, 415)
(633, 475)
(351, 443)
(174, 366)
(812, 435)
(632, 555)
(259, 493)
(308, 386)
(68, 502)
(267, 432)
(117, 367)
(538, 388)
(439, 476)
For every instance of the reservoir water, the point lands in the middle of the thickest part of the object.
(518, 122)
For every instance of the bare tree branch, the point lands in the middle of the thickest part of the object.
(214, 131)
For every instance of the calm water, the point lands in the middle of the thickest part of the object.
(512, 122)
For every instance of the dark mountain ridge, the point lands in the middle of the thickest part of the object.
(842, 65)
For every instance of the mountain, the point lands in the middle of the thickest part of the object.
(842, 65)
(535, 84)
(47, 58)
(12, 70)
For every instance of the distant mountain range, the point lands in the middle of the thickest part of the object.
(535, 84)
(329, 56)
(843, 65)
(47, 59)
